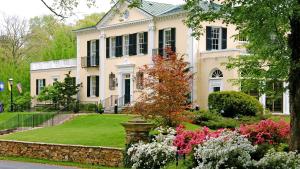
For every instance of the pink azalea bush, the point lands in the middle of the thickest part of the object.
(266, 131)
(186, 140)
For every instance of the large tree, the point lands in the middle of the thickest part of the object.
(272, 28)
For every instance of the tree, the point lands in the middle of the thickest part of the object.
(89, 20)
(166, 89)
(14, 36)
(272, 28)
(61, 93)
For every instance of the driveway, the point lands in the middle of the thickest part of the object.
(24, 165)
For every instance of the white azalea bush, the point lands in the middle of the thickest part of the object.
(279, 160)
(229, 150)
(156, 154)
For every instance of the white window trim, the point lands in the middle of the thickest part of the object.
(93, 89)
(112, 50)
(124, 45)
(138, 43)
(93, 53)
(40, 85)
(165, 30)
(220, 38)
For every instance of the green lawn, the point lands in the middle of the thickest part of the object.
(92, 130)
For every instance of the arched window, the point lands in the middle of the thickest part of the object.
(215, 82)
(216, 74)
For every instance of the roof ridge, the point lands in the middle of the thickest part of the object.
(157, 2)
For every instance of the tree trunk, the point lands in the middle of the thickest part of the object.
(294, 80)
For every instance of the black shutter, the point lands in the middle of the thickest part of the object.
(119, 46)
(97, 86)
(97, 52)
(88, 86)
(173, 39)
(88, 55)
(107, 47)
(224, 38)
(145, 45)
(132, 44)
(208, 38)
(161, 42)
(37, 87)
(44, 83)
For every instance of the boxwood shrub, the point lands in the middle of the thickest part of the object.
(233, 103)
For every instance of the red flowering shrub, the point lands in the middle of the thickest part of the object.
(185, 140)
(266, 131)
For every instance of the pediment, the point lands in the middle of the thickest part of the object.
(121, 13)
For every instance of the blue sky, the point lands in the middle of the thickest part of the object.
(31, 8)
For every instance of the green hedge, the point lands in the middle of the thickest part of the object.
(89, 107)
(232, 103)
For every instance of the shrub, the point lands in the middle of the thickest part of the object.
(232, 103)
(279, 160)
(266, 131)
(156, 154)
(100, 108)
(23, 102)
(214, 120)
(186, 140)
(90, 107)
(229, 150)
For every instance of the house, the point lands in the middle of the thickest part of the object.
(110, 54)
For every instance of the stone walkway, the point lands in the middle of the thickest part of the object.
(25, 165)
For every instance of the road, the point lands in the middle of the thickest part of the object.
(24, 165)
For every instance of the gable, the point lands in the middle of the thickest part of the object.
(121, 13)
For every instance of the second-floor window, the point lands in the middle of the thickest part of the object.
(167, 39)
(126, 45)
(140, 43)
(113, 47)
(92, 58)
(216, 38)
(93, 53)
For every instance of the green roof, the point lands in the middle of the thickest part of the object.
(156, 8)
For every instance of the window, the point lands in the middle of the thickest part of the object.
(93, 86)
(274, 97)
(93, 53)
(126, 45)
(215, 82)
(141, 40)
(167, 38)
(217, 74)
(113, 46)
(40, 84)
(215, 38)
(139, 80)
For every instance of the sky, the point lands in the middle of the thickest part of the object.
(30, 8)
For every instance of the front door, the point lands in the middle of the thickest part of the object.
(127, 91)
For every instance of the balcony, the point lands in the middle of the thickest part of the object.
(163, 52)
(87, 62)
(55, 64)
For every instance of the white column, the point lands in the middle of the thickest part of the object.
(151, 39)
(192, 51)
(102, 65)
(78, 65)
(286, 99)
(262, 100)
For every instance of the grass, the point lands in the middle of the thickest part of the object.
(91, 130)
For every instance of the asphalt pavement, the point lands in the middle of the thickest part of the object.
(24, 165)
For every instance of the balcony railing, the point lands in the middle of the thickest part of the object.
(159, 51)
(86, 63)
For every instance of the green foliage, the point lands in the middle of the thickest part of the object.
(89, 20)
(61, 93)
(214, 120)
(234, 103)
(22, 103)
(90, 107)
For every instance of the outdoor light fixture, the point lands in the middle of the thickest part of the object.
(11, 94)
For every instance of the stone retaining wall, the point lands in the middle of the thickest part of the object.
(112, 157)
